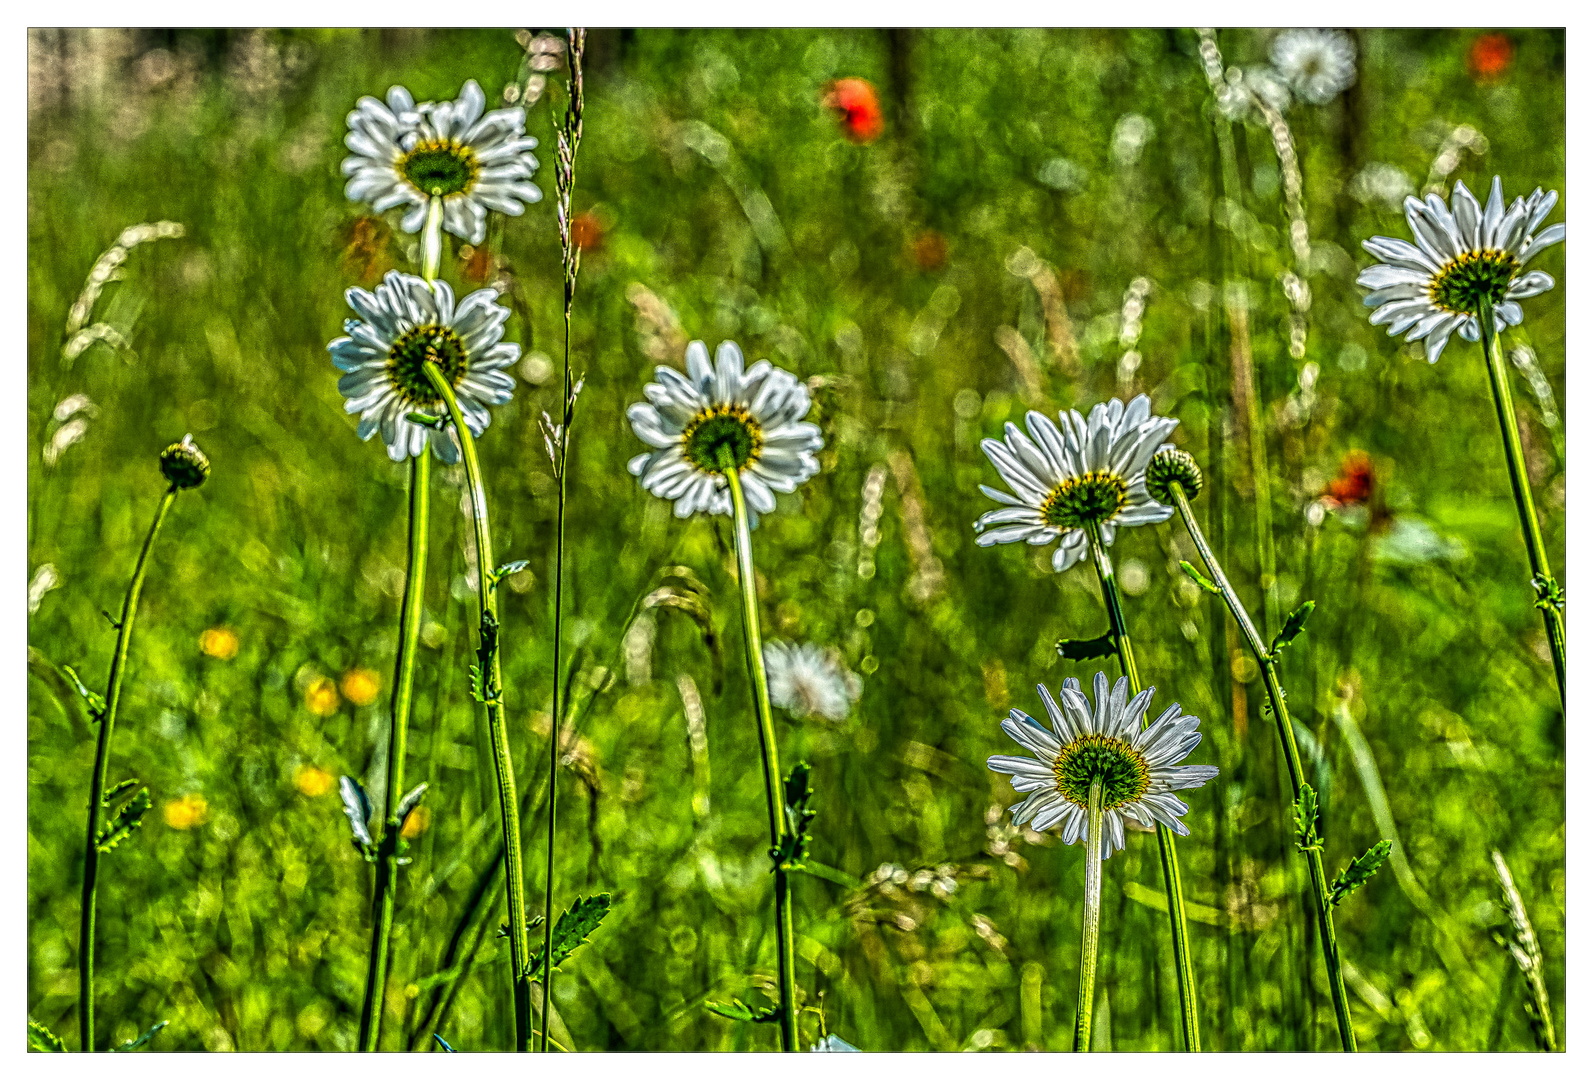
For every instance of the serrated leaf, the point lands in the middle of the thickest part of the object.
(44, 1041)
(134, 1044)
(1359, 872)
(1200, 579)
(799, 814)
(571, 931)
(407, 804)
(1292, 626)
(95, 703)
(740, 1010)
(1086, 648)
(357, 805)
(129, 816)
(482, 686)
(114, 793)
(1306, 837)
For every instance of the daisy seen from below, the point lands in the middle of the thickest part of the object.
(720, 416)
(403, 323)
(1087, 474)
(1138, 769)
(1318, 64)
(1465, 255)
(404, 154)
(807, 681)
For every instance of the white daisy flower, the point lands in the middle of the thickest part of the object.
(401, 325)
(403, 154)
(808, 680)
(1138, 769)
(753, 416)
(1319, 64)
(1464, 254)
(1090, 472)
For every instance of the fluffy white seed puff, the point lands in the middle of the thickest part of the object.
(808, 680)
(754, 414)
(403, 153)
(401, 325)
(1464, 253)
(1318, 64)
(1060, 477)
(1138, 769)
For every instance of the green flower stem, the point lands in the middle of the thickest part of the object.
(492, 691)
(771, 753)
(1291, 754)
(1092, 921)
(398, 739)
(1172, 880)
(431, 241)
(102, 760)
(1542, 576)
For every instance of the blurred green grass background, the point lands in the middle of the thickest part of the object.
(969, 264)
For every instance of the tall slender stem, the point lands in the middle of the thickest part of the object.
(771, 753)
(569, 141)
(398, 739)
(102, 760)
(1172, 880)
(1092, 921)
(491, 686)
(1549, 596)
(1291, 754)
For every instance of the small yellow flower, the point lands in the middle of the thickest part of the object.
(312, 781)
(361, 685)
(186, 812)
(220, 642)
(321, 696)
(417, 822)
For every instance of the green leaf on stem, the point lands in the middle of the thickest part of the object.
(739, 1010)
(483, 687)
(116, 624)
(95, 703)
(44, 1041)
(407, 804)
(134, 1044)
(128, 816)
(1200, 579)
(1306, 838)
(799, 814)
(1292, 627)
(115, 793)
(495, 576)
(1359, 872)
(571, 931)
(1086, 648)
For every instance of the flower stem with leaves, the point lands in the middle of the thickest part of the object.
(569, 143)
(1324, 895)
(1551, 600)
(386, 892)
(488, 689)
(1091, 933)
(771, 755)
(184, 466)
(1172, 880)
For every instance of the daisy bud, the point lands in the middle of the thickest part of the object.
(183, 464)
(1169, 465)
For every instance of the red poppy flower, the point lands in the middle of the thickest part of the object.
(1490, 57)
(858, 107)
(1353, 485)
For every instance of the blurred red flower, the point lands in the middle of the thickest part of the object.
(1353, 485)
(929, 250)
(1490, 57)
(587, 231)
(858, 106)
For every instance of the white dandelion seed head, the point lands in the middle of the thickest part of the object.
(1465, 253)
(402, 154)
(695, 421)
(1137, 766)
(1318, 64)
(402, 324)
(1088, 472)
(809, 681)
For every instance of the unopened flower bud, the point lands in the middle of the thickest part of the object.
(184, 464)
(1169, 465)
